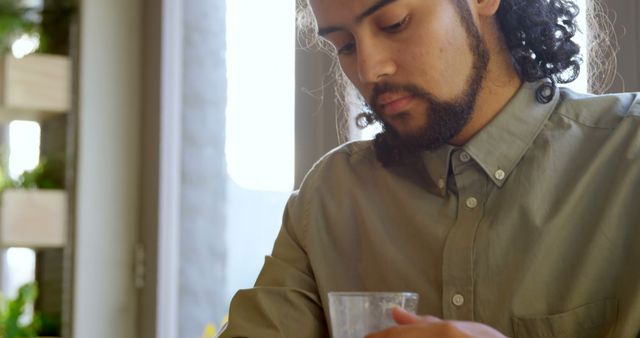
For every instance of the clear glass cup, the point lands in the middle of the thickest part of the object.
(356, 314)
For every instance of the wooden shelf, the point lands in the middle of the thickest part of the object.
(33, 218)
(8, 114)
(34, 87)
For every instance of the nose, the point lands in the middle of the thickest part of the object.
(375, 62)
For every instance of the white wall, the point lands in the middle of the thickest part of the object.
(107, 172)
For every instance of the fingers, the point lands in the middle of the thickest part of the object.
(432, 327)
(413, 326)
(403, 317)
(430, 319)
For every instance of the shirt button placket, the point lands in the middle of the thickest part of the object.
(458, 261)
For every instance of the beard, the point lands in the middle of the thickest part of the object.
(445, 118)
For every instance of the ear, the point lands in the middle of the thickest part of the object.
(487, 7)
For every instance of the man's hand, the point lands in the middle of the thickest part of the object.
(412, 326)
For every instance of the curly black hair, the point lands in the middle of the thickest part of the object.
(538, 35)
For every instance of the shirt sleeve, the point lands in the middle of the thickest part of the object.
(284, 301)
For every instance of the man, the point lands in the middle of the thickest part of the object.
(510, 205)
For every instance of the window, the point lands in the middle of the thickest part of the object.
(260, 102)
(259, 133)
(24, 147)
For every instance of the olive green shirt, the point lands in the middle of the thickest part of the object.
(532, 227)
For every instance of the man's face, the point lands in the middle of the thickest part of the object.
(419, 63)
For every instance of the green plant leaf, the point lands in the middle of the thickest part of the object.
(16, 19)
(15, 309)
(49, 174)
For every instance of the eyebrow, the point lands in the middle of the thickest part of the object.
(368, 12)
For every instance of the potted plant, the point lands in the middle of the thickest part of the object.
(33, 211)
(15, 20)
(13, 313)
(35, 74)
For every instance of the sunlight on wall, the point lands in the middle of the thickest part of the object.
(20, 268)
(260, 72)
(24, 147)
(25, 45)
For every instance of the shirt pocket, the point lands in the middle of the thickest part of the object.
(586, 321)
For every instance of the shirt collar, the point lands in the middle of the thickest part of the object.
(500, 145)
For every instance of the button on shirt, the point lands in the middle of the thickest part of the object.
(532, 227)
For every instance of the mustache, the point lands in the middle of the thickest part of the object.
(389, 88)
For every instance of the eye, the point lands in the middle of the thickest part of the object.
(347, 49)
(398, 26)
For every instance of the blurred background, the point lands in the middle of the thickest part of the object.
(147, 150)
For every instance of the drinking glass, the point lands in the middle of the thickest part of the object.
(356, 314)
